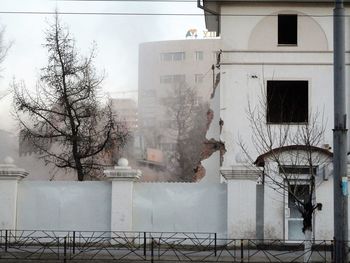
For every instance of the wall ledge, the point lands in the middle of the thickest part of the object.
(241, 172)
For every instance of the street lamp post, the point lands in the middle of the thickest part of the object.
(340, 137)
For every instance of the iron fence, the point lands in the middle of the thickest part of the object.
(81, 246)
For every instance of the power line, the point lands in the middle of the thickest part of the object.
(208, 1)
(190, 1)
(97, 13)
(149, 14)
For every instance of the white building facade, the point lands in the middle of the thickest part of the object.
(276, 76)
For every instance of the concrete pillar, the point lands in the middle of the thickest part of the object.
(123, 178)
(241, 200)
(9, 177)
(260, 204)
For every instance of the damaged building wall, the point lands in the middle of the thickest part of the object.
(213, 148)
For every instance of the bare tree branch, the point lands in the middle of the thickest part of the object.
(188, 127)
(64, 119)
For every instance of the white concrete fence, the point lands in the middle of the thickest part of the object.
(231, 209)
(120, 203)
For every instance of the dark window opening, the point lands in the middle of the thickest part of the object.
(297, 170)
(287, 101)
(287, 29)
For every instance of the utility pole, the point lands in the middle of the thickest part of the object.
(340, 137)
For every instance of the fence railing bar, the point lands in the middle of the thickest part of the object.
(215, 245)
(152, 248)
(65, 249)
(6, 240)
(146, 246)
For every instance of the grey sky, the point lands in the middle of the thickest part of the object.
(117, 38)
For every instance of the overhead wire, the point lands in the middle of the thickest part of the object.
(98, 13)
(146, 1)
(164, 13)
(208, 1)
(151, 14)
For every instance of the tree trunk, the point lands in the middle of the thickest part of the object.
(80, 175)
(307, 230)
(307, 245)
(79, 169)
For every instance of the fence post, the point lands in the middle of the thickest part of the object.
(144, 244)
(332, 251)
(6, 240)
(122, 178)
(242, 250)
(58, 248)
(152, 255)
(73, 242)
(10, 175)
(215, 248)
(65, 249)
(234, 249)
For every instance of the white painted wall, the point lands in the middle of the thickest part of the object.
(249, 42)
(324, 219)
(250, 48)
(241, 209)
(226, 209)
(8, 196)
(119, 206)
(122, 201)
(64, 205)
(180, 207)
(239, 21)
(274, 209)
(238, 87)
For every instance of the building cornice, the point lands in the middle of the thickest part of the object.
(279, 57)
(11, 172)
(241, 172)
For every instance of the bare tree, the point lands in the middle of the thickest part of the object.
(4, 93)
(188, 125)
(290, 154)
(64, 119)
(4, 47)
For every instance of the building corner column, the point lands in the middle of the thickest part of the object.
(10, 175)
(122, 178)
(245, 211)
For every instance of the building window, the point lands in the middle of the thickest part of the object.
(172, 56)
(167, 124)
(303, 170)
(171, 79)
(199, 55)
(168, 147)
(287, 29)
(287, 101)
(198, 78)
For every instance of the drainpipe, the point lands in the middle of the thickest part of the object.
(340, 136)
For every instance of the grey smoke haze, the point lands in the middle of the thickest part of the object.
(117, 39)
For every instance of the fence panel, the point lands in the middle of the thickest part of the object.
(100, 246)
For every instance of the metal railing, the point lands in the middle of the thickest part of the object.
(74, 246)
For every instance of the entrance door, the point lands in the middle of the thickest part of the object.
(294, 220)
